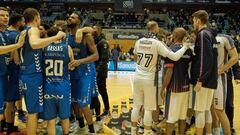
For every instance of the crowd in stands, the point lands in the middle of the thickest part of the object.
(227, 21)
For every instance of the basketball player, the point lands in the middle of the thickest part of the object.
(57, 90)
(225, 49)
(12, 95)
(176, 82)
(203, 71)
(147, 50)
(31, 73)
(85, 52)
(5, 48)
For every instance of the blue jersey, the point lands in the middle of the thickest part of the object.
(4, 58)
(31, 59)
(80, 50)
(56, 59)
(12, 67)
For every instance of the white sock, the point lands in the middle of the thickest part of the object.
(216, 131)
(188, 120)
(133, 130)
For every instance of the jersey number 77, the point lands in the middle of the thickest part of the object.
(142, 56)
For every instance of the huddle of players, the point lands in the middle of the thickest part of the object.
(194, 79)
(48, 87)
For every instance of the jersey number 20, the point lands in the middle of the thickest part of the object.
(54, 68)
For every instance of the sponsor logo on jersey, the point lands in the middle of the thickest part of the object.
(51, 96)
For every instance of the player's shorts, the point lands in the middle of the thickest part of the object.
(176, 106)
(144, 93)
(32, 89)
(192, 97)
(203, 100)
(3, 86)
(220, 94)
(12, 93)
(81, 91)
(94, 87)
(57, 102)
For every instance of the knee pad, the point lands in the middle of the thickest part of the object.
(135, 114)
(208, 117)
(200, 119)
(147, 118)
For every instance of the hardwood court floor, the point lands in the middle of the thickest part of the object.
(119, 86)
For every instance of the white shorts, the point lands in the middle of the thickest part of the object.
(192, 96)
(144, 93)
(220, 94)
(203, 100)
(176, 106)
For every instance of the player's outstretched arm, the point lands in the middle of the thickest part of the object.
(36, 42)
(12, 47)
(175, 56)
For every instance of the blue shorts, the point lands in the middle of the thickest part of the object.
(31, 87)
(56, 103)
(81, 91)
(3, 86)
(12, 94)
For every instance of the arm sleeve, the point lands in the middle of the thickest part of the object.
(166, 52)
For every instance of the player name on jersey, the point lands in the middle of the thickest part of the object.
(55, 48)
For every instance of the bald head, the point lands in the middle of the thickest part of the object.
(179, 34)
(152, 26)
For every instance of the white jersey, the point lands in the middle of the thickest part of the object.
(147, 50)
(225, 43)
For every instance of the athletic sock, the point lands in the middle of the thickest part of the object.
(216, 131)
(81, 122)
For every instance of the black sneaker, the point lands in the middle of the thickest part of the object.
(105, 113)
(233, 132)
(13, 129)
(3, 126)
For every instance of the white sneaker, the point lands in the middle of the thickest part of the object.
(91, 133)
(140, 126)
(155, 128)
(73, 127)
(81, 131)
(141, 130)
(98, 125)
